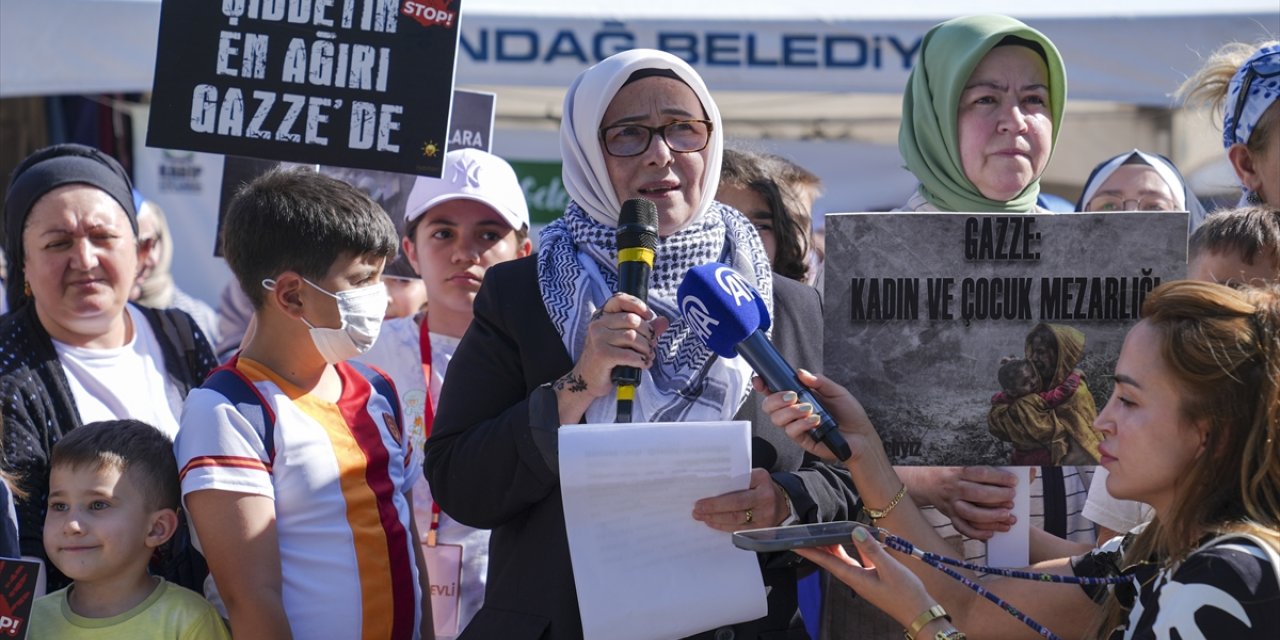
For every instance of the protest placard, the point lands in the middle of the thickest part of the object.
(353, 83)
(989, 339)
(471, 120)
(18, 578)
(470, 126)
(389, 190)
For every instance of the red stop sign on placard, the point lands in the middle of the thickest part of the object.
(429, 12)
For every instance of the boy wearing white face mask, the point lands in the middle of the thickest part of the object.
(293, 461)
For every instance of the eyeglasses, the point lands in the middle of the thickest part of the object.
(1257, 70)
(1110, 203)
(681, 136)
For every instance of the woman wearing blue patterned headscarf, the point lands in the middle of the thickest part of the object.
(1243, 81)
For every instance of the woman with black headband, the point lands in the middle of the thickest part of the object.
(548, 330)
(72, 350)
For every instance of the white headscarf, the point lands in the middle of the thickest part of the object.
(585, 176)
(577, 256)
(1183, 197)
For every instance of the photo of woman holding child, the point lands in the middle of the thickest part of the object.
(1045, 409)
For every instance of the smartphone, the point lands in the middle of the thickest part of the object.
(800, 535)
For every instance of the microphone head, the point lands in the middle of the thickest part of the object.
(721, 307)
(638, 225)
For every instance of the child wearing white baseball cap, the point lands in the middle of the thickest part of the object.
(471, 174)
(456, 227)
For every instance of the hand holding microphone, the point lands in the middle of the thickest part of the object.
(729, 316)
(637, 238)
(622, 333)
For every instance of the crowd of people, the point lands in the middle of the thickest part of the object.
(373, 451)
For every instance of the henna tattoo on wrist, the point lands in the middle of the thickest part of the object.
(573, 382)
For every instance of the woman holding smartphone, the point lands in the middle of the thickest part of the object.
(1191, 428)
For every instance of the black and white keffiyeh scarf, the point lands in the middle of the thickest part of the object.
(577, 272)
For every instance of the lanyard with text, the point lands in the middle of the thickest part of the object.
(444, 561)
(428, 416)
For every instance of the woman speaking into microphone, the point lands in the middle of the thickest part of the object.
(549, 330)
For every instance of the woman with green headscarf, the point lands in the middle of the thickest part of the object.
(980, 115)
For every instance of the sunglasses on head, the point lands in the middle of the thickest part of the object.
(1257, 69)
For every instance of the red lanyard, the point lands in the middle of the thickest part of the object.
(428, 416)
(424, 349)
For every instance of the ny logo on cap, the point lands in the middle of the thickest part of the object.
(465, 173)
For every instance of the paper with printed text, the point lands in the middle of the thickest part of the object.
(644, 567)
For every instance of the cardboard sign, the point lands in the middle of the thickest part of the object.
(17, 594)
(976, 339)
(356, 83)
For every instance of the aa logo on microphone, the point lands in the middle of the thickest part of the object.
(734, 285)
(695, 313)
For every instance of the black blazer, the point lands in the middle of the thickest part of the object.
(492, 459)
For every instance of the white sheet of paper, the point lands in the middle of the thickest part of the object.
(644, 567)
(1012, 548)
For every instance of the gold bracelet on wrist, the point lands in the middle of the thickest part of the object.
(927, 616)
(789, 509)
(878, 514)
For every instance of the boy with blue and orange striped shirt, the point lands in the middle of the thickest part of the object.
(293, 460)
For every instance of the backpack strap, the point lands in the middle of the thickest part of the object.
(382, 384)
(175, 325)
(240, 391)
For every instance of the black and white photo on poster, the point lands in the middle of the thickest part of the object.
(989, 339)
(355, 83)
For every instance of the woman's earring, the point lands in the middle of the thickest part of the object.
(1253, 198)
(26, 288)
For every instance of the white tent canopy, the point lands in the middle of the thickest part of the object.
(1129, 52)
(816, 80)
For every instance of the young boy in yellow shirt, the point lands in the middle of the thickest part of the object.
(113, 499)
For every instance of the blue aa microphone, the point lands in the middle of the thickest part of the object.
(730, 317)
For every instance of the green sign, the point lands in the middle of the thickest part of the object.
(543, 189)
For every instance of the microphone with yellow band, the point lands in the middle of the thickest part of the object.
(637, 244)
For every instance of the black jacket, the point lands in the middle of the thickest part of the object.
(491, 459)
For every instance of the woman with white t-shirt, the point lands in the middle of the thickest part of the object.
(457, 226)
(72, 350)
